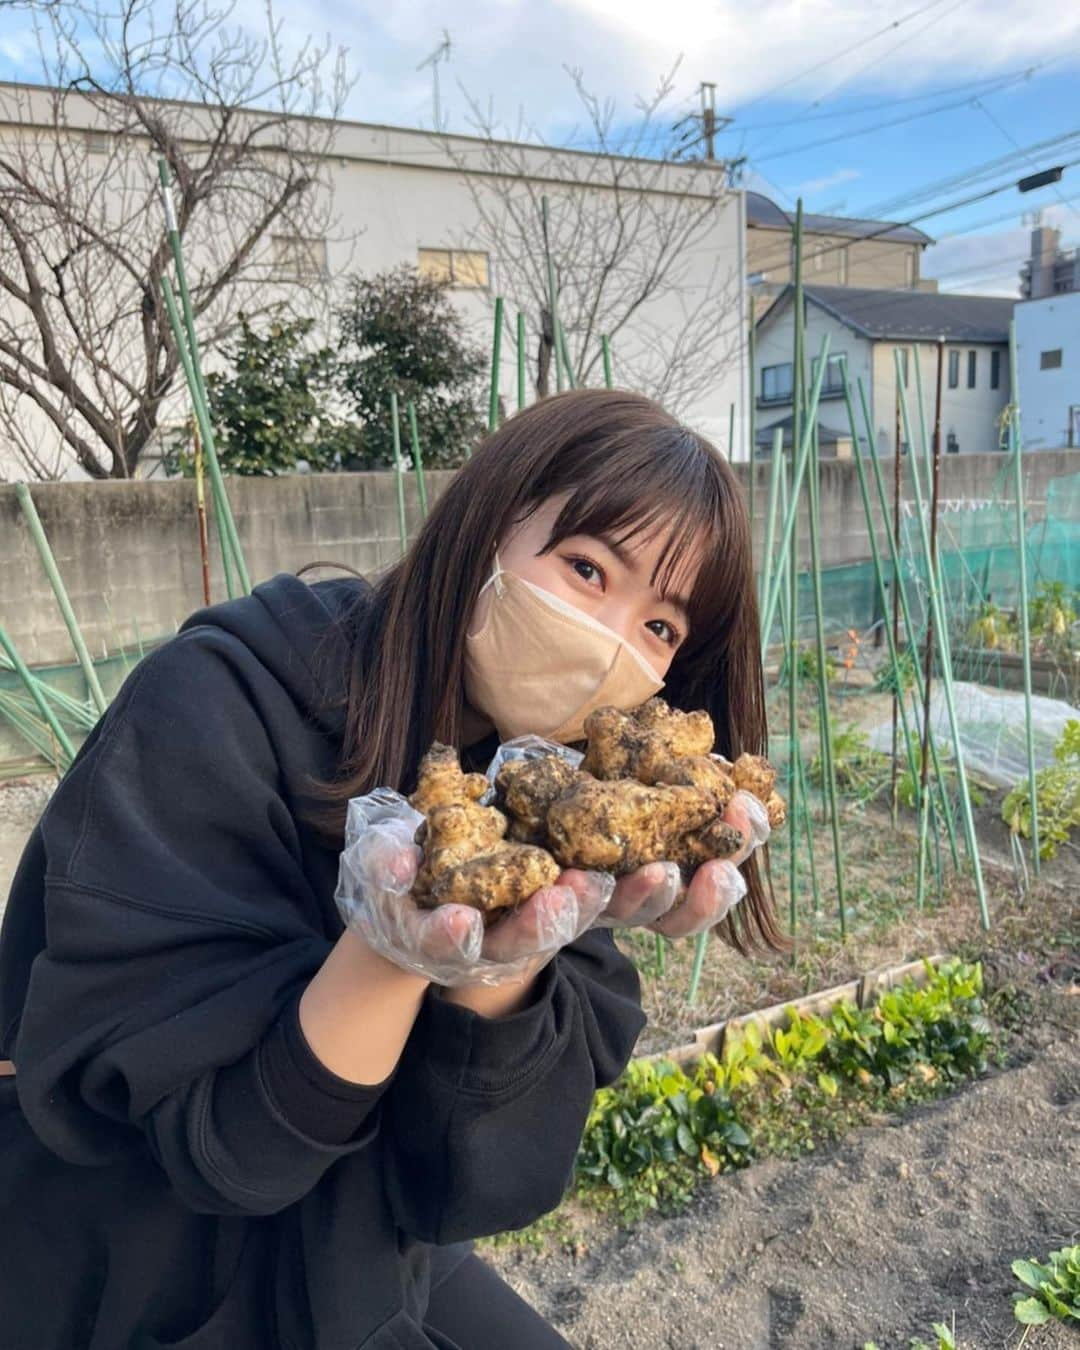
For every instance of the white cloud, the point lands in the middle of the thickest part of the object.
(514, 51)
(989, 263)
(813, 186)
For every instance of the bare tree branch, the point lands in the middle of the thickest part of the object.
(629, 230)
(244, 129)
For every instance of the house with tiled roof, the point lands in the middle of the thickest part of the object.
(968, 334)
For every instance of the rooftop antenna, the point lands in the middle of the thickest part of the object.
(441, 53)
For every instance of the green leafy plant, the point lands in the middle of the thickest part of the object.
(653, 1135)
(808, 665)
(1058, 791)
(648, 1136)
(945, 1340)
(1056, 1285)
(860, 771)
(399, 331)
(993, 629)
(1053, 610)
(273, 410)
(886, 679)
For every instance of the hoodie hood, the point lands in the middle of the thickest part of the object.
(303, 633)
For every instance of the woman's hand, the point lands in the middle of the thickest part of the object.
(449, 945)
(656, 898)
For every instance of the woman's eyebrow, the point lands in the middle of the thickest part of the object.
(679, 602)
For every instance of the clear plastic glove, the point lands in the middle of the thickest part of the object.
(449, 945)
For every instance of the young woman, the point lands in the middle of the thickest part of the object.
(232, 1121)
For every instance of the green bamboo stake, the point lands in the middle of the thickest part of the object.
(553, 299)
(228, 538)
(797, 374)
(779, 574)
(197, 386)
(932, 562)
(941, 637)
(31, 684)
(568, 366)
(731, 433)
(751, 344)
(496, 348)
(828, 765)
(417, 459)
(776, 477)
(905, 610)
(1021, 552)
(879, 574)
(41, 542)
(799, 814)
(520, 360)
(399, 471)
(605, 347)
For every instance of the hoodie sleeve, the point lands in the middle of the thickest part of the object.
(485, 1116)
(180, 932)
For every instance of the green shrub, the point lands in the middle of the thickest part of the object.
(1058, 793)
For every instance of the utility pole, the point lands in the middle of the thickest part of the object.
(708, 118)
(703, 129)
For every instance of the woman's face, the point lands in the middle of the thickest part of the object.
(609, 583)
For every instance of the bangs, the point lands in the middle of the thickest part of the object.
(665, 483)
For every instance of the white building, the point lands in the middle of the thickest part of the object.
(867, 327)
(402, 196)
(1048, 371)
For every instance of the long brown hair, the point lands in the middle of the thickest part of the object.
(628, 467)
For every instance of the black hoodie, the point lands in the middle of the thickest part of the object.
(176, 1166)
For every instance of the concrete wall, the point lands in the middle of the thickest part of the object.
(1049, 399)
(129, 552)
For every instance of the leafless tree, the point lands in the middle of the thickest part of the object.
(630, 226)
(87, 358)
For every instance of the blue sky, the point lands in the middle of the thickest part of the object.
(797, 77)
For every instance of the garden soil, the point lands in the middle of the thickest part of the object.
(899, 1225)
(906, 1221)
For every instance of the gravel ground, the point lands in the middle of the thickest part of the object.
(21, 803)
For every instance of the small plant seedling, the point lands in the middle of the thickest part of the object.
(1056, 1285)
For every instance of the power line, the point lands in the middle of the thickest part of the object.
(837, 56)
(874, 60)
(865, 131)
(1012, 141)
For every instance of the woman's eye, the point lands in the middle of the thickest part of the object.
(585, 569)
(670, 635)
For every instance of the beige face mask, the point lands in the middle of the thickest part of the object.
(538, 664)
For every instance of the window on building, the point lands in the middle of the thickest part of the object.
(1050, 360)
(971, 370)
(834, 373)
(296, 258)
(954, 370)
(463, 269)
(843, 266)
(995, 370)
(909, 270)
(905, 369)
(776, 383)
(97, 142)
(952, 445)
